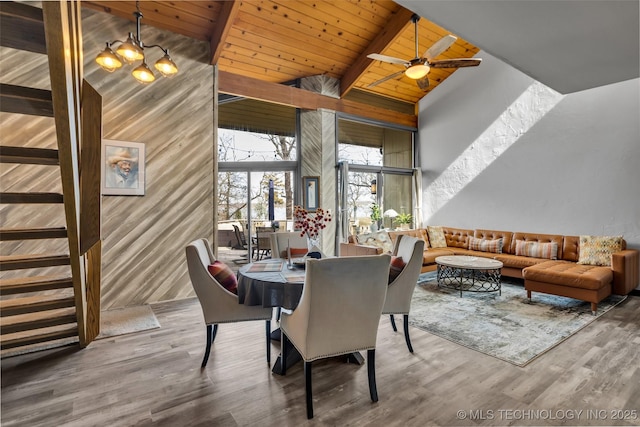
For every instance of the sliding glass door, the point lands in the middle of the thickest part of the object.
(377, 166)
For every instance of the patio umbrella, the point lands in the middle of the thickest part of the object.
(271, 201)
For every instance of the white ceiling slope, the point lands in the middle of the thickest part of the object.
(569, 45)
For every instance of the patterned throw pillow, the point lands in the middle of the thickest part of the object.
(547, 250)
(223, 274)
(436, 237)
(397, 264)
(379, 239)
(597, 250)
(484, 245)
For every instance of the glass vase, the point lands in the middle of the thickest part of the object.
(313, 247)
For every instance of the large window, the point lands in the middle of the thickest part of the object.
(380, 168)
(257, 165)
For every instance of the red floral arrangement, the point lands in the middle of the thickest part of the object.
(310, 224)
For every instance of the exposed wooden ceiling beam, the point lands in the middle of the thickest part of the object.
(387, 36)
(222, 26)
(247, 87)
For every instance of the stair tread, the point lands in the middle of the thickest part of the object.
(22, 285)
(25, 100)
(22, 27)
(37, 320)
(34, 280)
(22, 339)
(32, 233)
(32, 197)
(23, 261)
(8, 258)
(15, 306)
(29, 155)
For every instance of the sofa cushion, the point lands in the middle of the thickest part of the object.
(570, 274)
(547, 250)
(378, 239)
(350, 249)
(418, 233)
(429, 255)
(597, 250)
(485, 245)
(457, 237)
(467, 252)
(514, 261)
(224, 275)
(436, 236)
(396, 267)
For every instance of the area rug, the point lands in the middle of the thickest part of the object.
(508, 326)
(127, 320)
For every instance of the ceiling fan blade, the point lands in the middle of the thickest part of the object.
(455, 63)
(440, 46)
(385, 58)
(384, 79)
(423, 83)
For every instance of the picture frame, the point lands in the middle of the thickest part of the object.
(311, 193)
(123, 168)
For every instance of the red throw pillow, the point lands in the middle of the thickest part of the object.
(298, 252)
(397, 264)
(295, 253)
(224, 275)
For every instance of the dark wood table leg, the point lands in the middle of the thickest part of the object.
(356, 358)
(275, 334)
(293, 357)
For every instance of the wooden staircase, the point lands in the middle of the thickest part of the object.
(50, 296)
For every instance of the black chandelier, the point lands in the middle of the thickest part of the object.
(132, 50)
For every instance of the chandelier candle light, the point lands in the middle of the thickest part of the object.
(132, 50)
(311, 225)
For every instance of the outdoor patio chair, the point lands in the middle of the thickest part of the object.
(261, 243)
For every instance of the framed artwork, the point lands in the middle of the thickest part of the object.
(311, 193)
(122, 168)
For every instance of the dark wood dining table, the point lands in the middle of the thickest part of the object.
(274, 283)
(270, 283)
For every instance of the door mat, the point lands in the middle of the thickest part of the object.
(127, 320)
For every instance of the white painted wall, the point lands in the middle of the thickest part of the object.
(576, 171)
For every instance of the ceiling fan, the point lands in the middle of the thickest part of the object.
(418, 67)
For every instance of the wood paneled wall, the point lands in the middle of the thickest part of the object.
(143, 237)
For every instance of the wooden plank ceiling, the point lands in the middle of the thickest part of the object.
(282, 40)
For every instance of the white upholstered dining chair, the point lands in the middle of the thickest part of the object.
(281, 240)
(338, 313)
(218, 304)
(400, 290)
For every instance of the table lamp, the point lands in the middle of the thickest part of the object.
(391, 214)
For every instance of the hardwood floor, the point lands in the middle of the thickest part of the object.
(154, 378)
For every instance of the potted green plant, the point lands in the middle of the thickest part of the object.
(404, 219)
(376, 216)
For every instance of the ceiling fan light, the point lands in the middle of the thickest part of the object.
(417, 71)
(108, 60)
(130, 51)
(143, 74)
(166, 66)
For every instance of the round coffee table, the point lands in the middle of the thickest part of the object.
(469, 273)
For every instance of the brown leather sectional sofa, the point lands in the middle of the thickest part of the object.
(564, 276)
